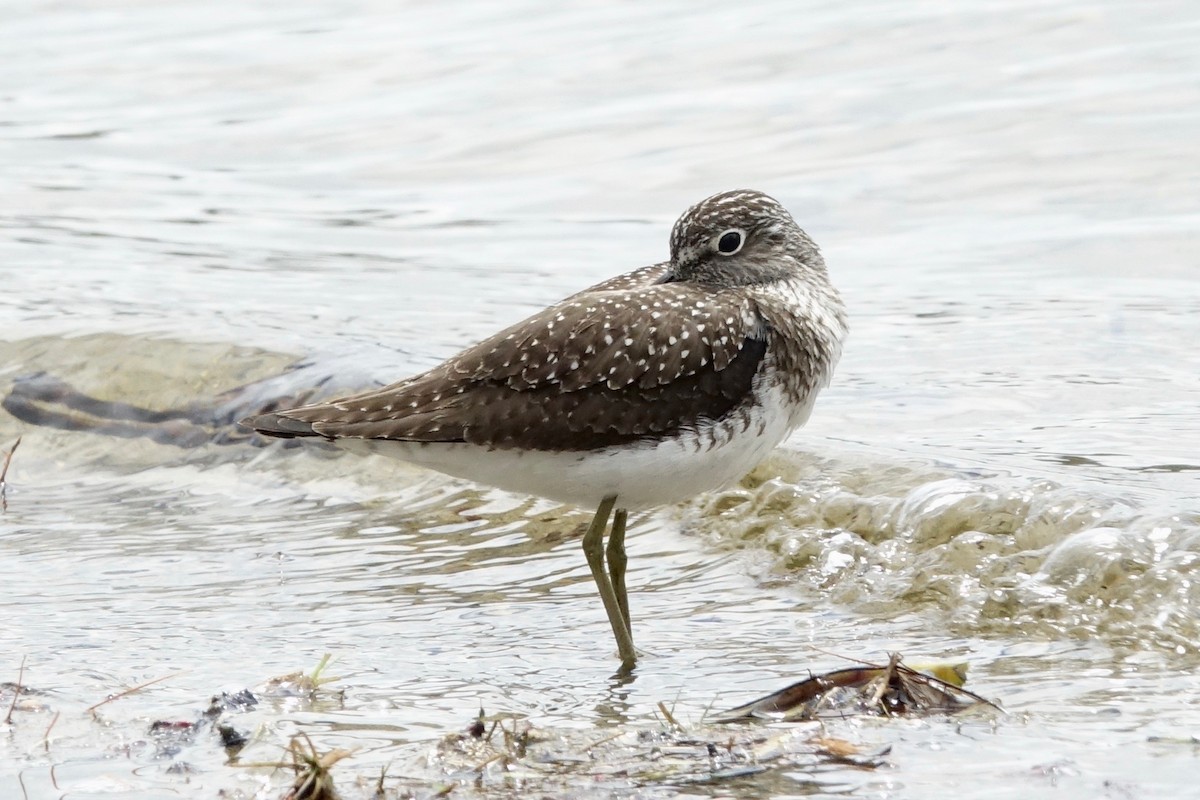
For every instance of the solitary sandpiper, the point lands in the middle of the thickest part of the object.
(646, 389)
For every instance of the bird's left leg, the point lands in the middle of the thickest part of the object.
(615, 555)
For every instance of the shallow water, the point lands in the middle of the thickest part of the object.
(1006, 470)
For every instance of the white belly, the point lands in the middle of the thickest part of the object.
(647, 474)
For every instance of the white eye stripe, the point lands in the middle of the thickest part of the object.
(729, 242)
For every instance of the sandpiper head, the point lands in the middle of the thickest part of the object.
(740, 238)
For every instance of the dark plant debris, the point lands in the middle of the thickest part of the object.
(313, 778)
(222, 703)
(873, 689)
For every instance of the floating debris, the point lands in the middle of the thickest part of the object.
(170, 737)
(300, 684)
(239, 701)
(873, 689)
(509, 756)
(232, 739)
(313, 778)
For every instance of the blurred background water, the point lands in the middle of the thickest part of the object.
(1006, 470)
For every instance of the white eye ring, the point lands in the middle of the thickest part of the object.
(729, 242)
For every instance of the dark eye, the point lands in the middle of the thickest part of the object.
(730, 242)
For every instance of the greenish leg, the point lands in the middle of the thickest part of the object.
(593, 548)
(615, 555)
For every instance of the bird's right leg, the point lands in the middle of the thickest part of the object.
(593, 548)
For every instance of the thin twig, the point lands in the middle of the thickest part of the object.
(871, 664)
(16, 692)
(379, 792)
(8, 459)
(888, 673)
(605, 740)
(138, 688)
(4, 473)
(46, 735)
(668, 716)
(491, 760)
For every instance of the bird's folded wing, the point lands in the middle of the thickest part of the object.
(600, 368)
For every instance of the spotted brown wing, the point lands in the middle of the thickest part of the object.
(598, 369)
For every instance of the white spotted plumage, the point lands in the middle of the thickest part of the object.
(657, 384)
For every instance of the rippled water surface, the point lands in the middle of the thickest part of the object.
(1006, 470)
